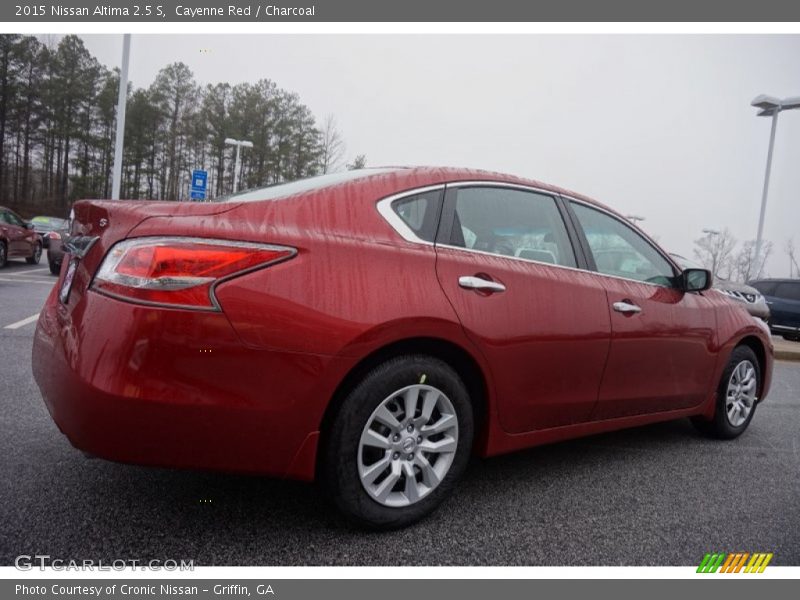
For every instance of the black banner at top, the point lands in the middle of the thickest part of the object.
(256, 11)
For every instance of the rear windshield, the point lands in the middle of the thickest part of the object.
(305, 185)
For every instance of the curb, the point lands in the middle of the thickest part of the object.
(787, 355)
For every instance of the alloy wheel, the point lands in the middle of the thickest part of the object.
(741, 393)
(408, 445)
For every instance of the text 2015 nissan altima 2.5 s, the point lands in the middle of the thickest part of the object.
(372, 329)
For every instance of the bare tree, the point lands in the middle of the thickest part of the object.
(745, 265)
(794, 269)
(332, 146)
(714, 251)
(359, 162)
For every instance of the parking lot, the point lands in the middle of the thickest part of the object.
(658, 495)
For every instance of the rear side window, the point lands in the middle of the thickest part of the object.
(420, 213)
(788, 291)
(513, 223)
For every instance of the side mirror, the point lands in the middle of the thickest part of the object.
(696, 280)
(28, 225)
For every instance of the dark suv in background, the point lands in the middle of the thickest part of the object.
(783, 298)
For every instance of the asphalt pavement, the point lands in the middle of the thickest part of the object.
(657, 495)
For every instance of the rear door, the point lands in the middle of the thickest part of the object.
(506, 262)
(662, 352)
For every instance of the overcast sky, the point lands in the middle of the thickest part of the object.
(660, 126)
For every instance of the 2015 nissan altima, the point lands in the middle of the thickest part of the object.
(372, 329)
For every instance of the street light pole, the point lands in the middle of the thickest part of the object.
(122, 100)
(770, 107)
(711, 233)
(237, 162)
(760, 234)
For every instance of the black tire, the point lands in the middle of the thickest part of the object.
(55, 268)
(3, 254)
(720, 426)
(37, 255)
(791, 338)
(339, 466)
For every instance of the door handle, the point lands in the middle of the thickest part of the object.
(626, 307)
(469, 282)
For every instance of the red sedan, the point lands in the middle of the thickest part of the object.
(372, 329)
(18, 239)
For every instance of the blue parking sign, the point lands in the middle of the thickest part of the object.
(199, 180)
(199, 185)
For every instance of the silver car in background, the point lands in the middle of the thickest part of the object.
(752, 299)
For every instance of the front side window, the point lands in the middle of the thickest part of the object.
(619, 251)
(511, 222)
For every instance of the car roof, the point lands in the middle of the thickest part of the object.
(395, 179)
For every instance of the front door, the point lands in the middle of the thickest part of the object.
(662, 339)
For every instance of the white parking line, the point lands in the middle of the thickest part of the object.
(18, 324)
(26, 272)
(27, 281)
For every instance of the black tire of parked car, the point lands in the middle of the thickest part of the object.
(3, 255)
(338, 469)
(720, 427)
(37, 255)
(791, 338)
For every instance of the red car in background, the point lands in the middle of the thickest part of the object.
(372, 329)
(18, 239)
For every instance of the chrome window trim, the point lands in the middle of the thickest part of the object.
(515, 186)
(516, 258)
(545, 264)
(384, 207)
(386, 211)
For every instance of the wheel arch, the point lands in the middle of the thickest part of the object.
(465, 365)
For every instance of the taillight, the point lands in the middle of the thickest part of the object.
(179, 272)
(54, 235)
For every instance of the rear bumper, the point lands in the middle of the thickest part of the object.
(177, 389)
